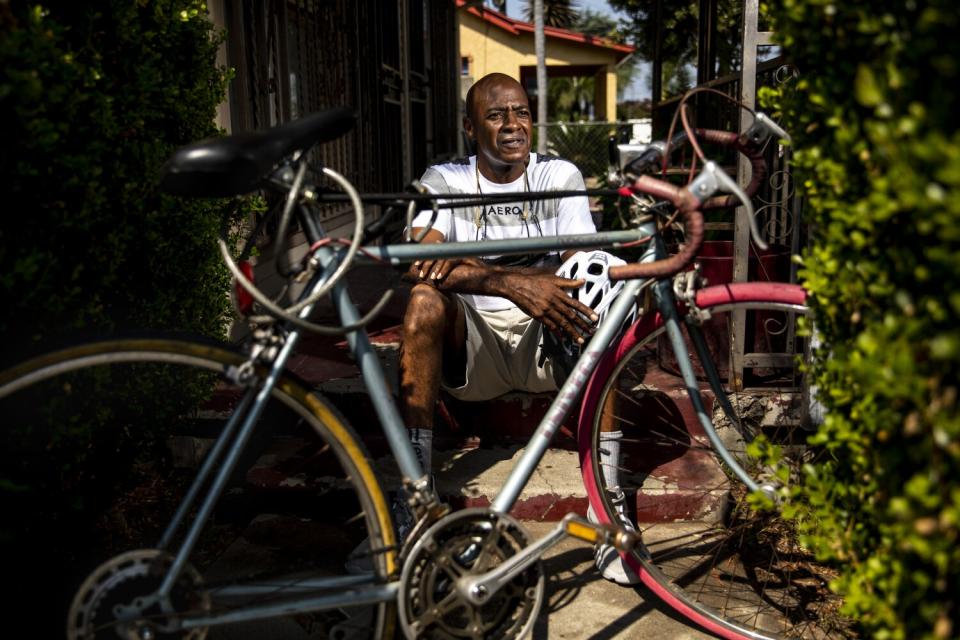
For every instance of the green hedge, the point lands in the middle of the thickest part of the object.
(874, 115)
(94, 97)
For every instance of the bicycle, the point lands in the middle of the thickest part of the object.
(470, 573)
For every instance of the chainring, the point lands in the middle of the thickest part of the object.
(124, 583)
(465, 543)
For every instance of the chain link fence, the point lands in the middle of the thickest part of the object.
(586, 143)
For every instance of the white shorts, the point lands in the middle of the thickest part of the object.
(503, 352)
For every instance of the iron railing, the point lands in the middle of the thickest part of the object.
(395, 63)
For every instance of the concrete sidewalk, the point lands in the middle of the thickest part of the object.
(581, 605)
(578, 604)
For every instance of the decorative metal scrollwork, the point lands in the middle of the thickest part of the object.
(776, 325)
(785, 73)
(778, 219)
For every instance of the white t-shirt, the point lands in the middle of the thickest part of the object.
(560, 216)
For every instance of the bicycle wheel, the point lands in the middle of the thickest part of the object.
(92, 428)
(737, 571)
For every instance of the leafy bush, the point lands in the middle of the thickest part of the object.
(94, 97)
(93, 100)
(878, 157)
(585, 145)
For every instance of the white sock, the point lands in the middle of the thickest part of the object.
(610, 457)
(422, 441)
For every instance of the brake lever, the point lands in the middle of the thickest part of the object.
(712, 179)
(763, 128)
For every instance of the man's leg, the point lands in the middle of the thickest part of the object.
(433, 326)
(608, 561)
(610, 439)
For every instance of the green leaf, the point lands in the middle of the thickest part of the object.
(865, 87)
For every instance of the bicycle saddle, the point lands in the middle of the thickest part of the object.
(231, 165)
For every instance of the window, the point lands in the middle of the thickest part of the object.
(464, 66)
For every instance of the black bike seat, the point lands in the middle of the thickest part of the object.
(231, 165)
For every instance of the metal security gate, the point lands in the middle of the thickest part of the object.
(394, 62)
(757, 63)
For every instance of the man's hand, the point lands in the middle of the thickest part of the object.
(435, 271)
(539, 293)
(544, 297)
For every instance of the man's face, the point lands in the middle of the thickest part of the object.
(501, 124)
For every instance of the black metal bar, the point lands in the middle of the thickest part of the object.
(460, 199)
(657, 71)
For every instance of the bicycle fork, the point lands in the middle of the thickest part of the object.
(223, 456)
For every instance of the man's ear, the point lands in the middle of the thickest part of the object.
(470, 135)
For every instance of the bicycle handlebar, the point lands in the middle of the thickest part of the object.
(197, 161)
(688, 206)
(690, 202)
(749, 144)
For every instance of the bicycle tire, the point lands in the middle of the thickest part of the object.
(348, 495)
(730, 569)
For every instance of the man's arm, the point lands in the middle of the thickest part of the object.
(538, 292)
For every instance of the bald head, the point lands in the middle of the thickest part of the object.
(491, 81)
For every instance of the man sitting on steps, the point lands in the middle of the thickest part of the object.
(474, 327)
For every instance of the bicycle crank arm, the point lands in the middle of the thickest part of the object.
(480, 588)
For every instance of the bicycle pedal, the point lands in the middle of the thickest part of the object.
(595, 533)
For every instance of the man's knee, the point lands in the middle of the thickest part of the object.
(427, 311)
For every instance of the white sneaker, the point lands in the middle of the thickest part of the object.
(607, 558)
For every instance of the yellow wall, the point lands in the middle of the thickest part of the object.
(492, 49)
(606, 93)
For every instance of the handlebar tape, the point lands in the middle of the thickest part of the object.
(688, 207)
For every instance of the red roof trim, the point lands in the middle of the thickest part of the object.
(516, 26)
(565, 34)
(491, 16)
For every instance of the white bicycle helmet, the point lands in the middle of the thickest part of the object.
(598, 292)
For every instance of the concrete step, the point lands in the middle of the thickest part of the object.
(471, 464)
(664, 452)
(473, 476)
(476, 444)
(468, 476)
